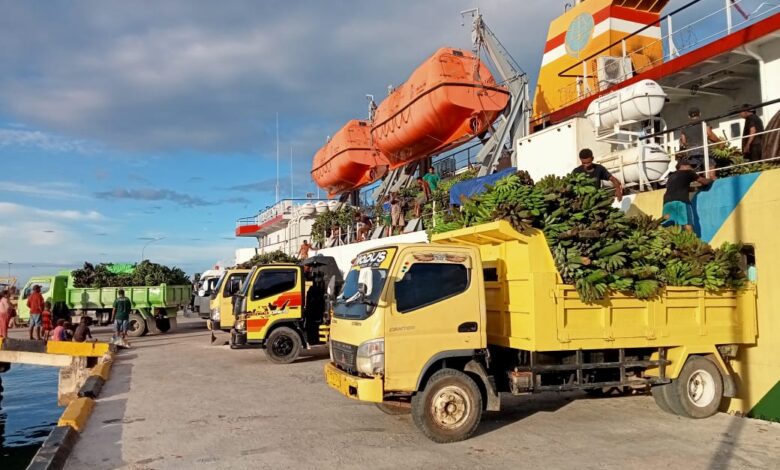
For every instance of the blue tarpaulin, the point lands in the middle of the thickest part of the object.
(477, 185)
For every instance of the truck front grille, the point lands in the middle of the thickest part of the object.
(345, 356)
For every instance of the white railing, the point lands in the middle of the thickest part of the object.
(699, 28)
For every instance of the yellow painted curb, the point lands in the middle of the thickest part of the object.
(77, 413)
(77, 349)
(102, 370)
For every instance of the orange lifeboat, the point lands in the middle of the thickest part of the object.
(448, 100)
(349, 160)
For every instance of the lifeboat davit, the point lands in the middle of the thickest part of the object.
(349, 160)
(448, 100)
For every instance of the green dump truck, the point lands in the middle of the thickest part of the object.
(154, 307)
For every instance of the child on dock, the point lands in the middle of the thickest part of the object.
(46, 324)
(82, 331)
(58, 333)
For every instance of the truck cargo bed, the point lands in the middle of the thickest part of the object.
(528, 307)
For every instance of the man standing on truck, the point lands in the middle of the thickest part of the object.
(303, 251)
(598, 172)
(121, 314)
(35, 303)
(677, 201)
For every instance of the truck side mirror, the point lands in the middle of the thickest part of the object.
(366, 281)
(202, 293)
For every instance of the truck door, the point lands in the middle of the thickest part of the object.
(276, 294)
(436, 312)
(232, 286)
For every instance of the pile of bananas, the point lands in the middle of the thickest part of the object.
(596, 247)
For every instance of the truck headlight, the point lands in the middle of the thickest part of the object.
(215, 314)
(240, 325)
(330, 350)
(371, 357)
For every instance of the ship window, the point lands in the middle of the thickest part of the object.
(274, 282)
(427, 283)
(735, 132)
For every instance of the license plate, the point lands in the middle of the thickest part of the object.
(336, 381)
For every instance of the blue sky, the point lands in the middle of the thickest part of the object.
(127, 120)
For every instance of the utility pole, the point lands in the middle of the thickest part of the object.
(292, 195)
(277, 158)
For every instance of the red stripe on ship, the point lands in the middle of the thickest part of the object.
(256, 324)
(722, 45)
(620, 13)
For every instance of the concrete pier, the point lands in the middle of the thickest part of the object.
(73, 359)
(174, 401)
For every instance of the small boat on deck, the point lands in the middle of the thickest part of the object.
(448, 100)
(349, 160)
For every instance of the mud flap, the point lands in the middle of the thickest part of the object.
(493, 400)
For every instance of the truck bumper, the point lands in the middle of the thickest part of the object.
(238, 341)
(354, 387)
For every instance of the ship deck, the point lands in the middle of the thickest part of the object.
(175, 401)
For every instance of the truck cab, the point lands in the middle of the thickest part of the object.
(207, 286)
(53, 289)
(221, 306)
(281, 307)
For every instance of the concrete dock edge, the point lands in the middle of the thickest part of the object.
(59, 444)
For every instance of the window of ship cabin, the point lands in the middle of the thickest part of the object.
(272, 282)
(428, 283)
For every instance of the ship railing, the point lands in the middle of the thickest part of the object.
(696, 31)
(461, 158)
(706, 151)
(284, 207)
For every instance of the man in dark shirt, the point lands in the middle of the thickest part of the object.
(692, 140)
(597, 172)
(751, 143)
(121, 313)
(677, 201)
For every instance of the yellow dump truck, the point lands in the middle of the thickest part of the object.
(221, 304)
(441, 329)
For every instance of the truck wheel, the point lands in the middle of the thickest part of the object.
(698, 391)
(163, 324)
(660, 394)
(283, 345)
(449, 409)
(137, 326)
(393, 410)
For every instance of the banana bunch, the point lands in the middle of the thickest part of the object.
(596, 247)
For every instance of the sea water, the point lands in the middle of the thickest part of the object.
(28, 412)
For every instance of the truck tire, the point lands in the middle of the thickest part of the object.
(163, 324)
(393, 410)
(698, 390)
(660, 395)
(449, 409)
(283, 345)
(137, 326)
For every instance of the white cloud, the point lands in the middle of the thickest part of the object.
(10, 209)
(40, 140)
(51, 190)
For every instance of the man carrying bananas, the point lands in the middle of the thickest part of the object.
(598, 172)
(677, 201)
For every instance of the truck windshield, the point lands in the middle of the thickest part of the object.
(221, 281)
(45, 286)
(359, 310)
(245, 287)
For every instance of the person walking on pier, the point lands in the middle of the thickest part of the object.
(121, 314)
(5, 314)
(36, 305)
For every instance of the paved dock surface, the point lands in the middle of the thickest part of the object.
(176, 402)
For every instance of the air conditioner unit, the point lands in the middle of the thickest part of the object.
(613, 70)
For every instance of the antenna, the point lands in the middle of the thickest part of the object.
(277, 157)
(291, 174)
